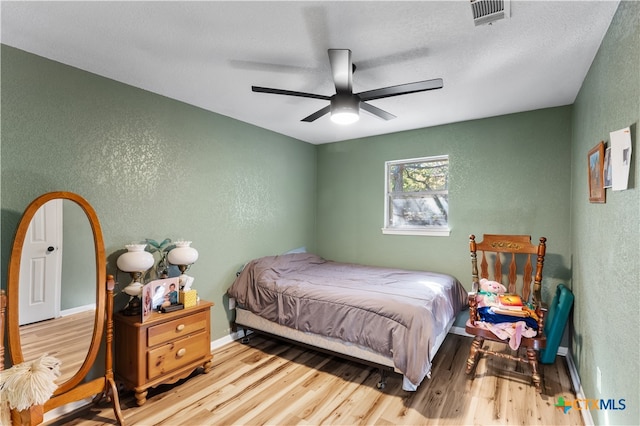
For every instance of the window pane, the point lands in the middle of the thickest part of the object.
(419, 176)
(417, 200)
(427, 210)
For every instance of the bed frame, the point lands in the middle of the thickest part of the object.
(248, 321)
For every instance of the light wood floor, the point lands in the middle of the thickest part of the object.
(66, 338)
(268, 382)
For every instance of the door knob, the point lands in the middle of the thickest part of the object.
(50, 249)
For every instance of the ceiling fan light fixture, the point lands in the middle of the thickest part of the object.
(345, 109)
(344, 106)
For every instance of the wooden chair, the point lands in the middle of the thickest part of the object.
(508, 251)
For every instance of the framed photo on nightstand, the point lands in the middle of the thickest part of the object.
(158, 294)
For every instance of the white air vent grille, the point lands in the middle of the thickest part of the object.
(487, 11)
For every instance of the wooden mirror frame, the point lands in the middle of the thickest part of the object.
(71, 390)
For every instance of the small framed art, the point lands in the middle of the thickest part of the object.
(595, 161)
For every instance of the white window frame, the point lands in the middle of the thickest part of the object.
(437, 231)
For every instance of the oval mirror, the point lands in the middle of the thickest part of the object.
(56, 286)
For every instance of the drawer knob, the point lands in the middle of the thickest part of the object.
(180, 327)
(181, 353)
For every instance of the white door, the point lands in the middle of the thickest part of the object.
(41, 265)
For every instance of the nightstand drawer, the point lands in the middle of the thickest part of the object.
(174, 355)
(176, 329)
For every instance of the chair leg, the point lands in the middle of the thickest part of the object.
(474, 354)
(533, 361)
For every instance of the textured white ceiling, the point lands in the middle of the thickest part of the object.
(209, 53)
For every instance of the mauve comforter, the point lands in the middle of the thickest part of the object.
(397, 313)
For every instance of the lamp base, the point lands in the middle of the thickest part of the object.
(133, 308)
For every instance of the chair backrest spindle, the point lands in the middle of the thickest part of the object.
(497, 270)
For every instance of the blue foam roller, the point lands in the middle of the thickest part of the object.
(556, 320)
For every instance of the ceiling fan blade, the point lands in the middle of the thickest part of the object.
(341, 69)
(289, 93)
(317, 114)
(377, 111)
(401, 89)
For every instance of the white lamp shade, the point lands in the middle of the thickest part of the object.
(183, 254)
(136, 259)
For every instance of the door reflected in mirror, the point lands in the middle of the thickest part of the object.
(57, 286)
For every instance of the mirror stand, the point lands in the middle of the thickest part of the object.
(78, 387)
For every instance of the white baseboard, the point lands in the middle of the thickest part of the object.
(89, 307)
(218, 343)
(575, 380)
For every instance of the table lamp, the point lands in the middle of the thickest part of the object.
(136, 261)
(182, 256)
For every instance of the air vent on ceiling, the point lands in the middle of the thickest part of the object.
(488, 11)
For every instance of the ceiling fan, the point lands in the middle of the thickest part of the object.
(345, 105)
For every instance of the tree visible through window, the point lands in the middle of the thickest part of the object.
(417, 193)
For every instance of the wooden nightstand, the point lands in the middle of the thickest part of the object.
(163, 349)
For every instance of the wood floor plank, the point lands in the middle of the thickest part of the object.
(268, 382)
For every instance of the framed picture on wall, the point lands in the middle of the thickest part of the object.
(595, 161)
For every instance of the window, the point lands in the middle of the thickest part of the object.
(417, 196)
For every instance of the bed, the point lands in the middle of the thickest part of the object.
(387, 317)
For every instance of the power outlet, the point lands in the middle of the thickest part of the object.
(599, 380)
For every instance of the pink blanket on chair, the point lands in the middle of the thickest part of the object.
(512, 331)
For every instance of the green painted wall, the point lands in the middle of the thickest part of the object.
(605, 243)
(508, 174)
(154, 168)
